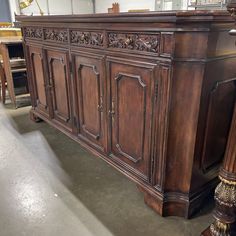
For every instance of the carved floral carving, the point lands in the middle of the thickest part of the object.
(86, 38)
(36, 33)
(58, 35)
(139, 42)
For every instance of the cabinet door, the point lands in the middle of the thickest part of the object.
(89, 99)
(59, 84)
(38, 80)
(132, 91)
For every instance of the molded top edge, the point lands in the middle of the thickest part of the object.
(164, 16)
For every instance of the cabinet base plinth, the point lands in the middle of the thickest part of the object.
(165, 208)
(153, 203)
(34, 117)
(176, 204)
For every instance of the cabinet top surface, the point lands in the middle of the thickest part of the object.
(165, 16)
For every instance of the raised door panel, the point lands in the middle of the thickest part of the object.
(131, 115)
(59, 84)
(39, 82)
(89, 92)
(220, 110)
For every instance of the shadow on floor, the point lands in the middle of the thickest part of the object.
(107, 194)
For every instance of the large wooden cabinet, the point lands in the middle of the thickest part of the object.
(144, 91)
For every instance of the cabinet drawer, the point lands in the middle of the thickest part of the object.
(154, 44)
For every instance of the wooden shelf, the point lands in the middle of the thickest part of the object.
(17, 70)
(14, 64)
(18, 62)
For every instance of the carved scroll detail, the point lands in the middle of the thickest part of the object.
(58, 35)
(86, 38)
(218, 228)
(35, 33)
(225, 196)
(139, 42)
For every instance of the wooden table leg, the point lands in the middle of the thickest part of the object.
(3, 84)
(0, 88)
(225, 193)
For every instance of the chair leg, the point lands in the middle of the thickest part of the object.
(0, 92)
(0, 89)
(3, 84)
(1, 75)
(4, 93)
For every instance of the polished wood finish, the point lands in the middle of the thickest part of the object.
(90, 98)
(130, 116)
(143, 91)
(59, 85)
(39, 82)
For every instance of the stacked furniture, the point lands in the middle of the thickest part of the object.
(13, 66)
(150, 93)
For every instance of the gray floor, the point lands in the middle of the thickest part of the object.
(50, 186)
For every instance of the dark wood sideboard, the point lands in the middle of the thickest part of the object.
(150, 93)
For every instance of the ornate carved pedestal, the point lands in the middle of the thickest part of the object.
(225, 193)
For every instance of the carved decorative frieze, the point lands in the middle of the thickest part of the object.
(86, 38)
(35, 33)
(138, 42)
(58, 35)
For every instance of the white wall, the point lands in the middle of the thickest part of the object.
(152, 5)
(14, 8)
(82, 6)
(54, 7)
(125, 5)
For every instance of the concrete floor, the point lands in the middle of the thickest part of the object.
(50, 186)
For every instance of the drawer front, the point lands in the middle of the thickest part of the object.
(150, 43)
(153, 44)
